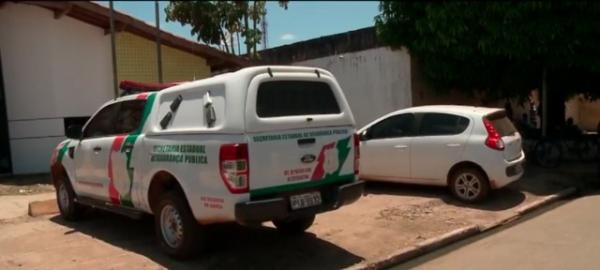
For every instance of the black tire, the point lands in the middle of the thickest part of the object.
(188, 239)
(547, 154)
(469, 185)
(587, 149)
(294, 224)
(65, 197)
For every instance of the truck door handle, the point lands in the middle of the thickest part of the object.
(97, 149)
(127, 148)
(400, 146)
(306, 141)
(453, 144)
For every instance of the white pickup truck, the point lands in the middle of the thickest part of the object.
(261, 144)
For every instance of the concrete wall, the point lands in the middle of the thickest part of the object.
(136, 60)
(585, 113)
(53, 68)
(375, 81)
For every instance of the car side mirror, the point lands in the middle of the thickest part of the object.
(74, 132)
(363, 136)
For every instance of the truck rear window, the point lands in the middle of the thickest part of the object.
(289, 98)
(502, 124)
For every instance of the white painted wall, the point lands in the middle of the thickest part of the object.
(375, 81)
(53, 68)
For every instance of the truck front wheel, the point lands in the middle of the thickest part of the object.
(65, 196)
(294, 225)
(176, 228)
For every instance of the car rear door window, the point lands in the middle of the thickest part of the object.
(401, 125)
(103, 123)
(130, 116)
(437, 124)
(290, 98)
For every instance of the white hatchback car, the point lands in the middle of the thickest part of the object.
(469, 149)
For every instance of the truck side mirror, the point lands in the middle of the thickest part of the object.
(363, 136)
(74, 132)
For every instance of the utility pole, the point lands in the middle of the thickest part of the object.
(158, 51)
(113, 49)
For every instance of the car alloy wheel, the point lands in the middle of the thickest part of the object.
(467, 186)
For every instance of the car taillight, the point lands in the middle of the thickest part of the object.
(493, 140)
(234, 167)
(356, 153)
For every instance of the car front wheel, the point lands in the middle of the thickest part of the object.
(469, 185)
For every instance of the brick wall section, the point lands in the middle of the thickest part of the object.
(136, 61)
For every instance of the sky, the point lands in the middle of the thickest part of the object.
(301, 21)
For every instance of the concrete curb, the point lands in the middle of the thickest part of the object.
(546, 200)
(40, 208)
(418, 249)
(435, 243)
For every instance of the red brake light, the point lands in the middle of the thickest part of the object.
(493, 140)
(234, 167)
(356, 153)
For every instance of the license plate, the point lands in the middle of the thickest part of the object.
(305, 200)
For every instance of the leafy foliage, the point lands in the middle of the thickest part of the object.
(216, 22)
(499, 47)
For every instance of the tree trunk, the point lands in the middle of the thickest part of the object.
(231, 43)
(224, 41)
(254, 39)
(246, 25)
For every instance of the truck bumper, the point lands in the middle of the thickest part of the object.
(254, 212)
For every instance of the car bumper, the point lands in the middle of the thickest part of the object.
(253, 212)
(511, 171)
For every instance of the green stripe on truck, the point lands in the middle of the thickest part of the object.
(309, 184)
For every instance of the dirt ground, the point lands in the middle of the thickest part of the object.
(387, 218)
(25, 185)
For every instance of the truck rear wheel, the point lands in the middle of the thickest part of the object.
(294, 225)
(176, 228)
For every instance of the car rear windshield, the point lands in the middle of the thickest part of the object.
(289, 98)
(502, 124)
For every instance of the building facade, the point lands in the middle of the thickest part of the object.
(56, 67)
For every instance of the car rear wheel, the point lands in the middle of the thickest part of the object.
(469, 185)
(176, 228)
(65, 197)
(294, 225)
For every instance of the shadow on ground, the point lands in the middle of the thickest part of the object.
(545, 181)
(499, 200)
(25, 180)
(231, 246)
(25, 184)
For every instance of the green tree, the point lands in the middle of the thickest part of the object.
(501, 48)
(217, 22)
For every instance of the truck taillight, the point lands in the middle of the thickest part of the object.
(493, 140)
(234, 167)
(356, 153)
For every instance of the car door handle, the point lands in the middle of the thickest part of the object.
(400, 146)
(97, 149)
(453, 144)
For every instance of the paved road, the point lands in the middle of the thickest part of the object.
(566, 237)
